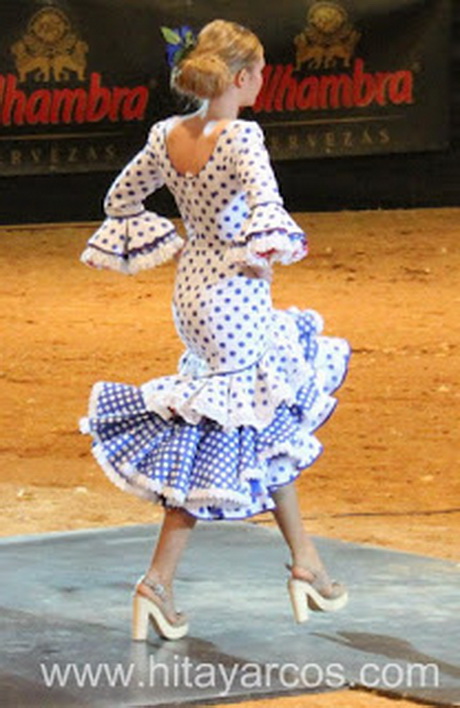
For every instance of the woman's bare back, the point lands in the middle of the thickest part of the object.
(190, 143)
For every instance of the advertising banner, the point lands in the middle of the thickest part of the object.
(81, 81)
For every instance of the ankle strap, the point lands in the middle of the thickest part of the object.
(157, 588)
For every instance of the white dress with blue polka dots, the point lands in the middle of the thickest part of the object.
(238, 419)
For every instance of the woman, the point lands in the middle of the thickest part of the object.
(227, 436)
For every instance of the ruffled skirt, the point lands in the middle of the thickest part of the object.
(220, 443)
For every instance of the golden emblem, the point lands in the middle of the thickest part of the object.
(328, 37)
(49, 49)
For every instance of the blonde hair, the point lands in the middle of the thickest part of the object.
(223, 48)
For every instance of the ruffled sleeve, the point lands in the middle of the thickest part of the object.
(133, 239)
(269, 234)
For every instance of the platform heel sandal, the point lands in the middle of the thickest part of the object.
(151, 609)
(312, 591)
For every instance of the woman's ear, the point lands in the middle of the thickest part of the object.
(240, 78)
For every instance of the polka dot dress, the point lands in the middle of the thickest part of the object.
(238, 419)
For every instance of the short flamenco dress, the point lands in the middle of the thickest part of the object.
(237, 421)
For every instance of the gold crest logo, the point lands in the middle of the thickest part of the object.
(50, 49)
(328, 37)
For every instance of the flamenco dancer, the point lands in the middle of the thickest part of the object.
(226, 437)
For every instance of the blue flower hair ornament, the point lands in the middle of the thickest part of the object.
(179, 43)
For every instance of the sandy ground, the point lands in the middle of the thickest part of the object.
(387, 281)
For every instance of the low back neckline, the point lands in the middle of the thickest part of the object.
(188, 174)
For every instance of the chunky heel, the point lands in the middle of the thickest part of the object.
(298, 600)
(140, 620)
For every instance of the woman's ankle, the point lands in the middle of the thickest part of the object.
(157, 576)
(307, 556)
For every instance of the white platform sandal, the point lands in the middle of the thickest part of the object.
(311, 590)
(151, 606)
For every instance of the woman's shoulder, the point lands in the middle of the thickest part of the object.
(247, 126)
(160, 129)
(157, 130)
(245, 134)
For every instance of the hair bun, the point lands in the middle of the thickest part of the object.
(201, 74)
(223, 48)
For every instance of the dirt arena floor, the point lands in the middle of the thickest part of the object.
(387, 281)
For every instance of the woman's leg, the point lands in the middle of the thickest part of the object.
(289, 519)
(172, 541)
(306, 563)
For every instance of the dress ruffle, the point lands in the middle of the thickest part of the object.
(296, 358)
(269, 235)
(129, 244)
(169, 444)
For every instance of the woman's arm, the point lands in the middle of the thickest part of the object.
(131, 238)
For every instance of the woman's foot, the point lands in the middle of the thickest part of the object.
(307, 565)
(162, 595)
(154, 600)
(318, 579)
(314, 590)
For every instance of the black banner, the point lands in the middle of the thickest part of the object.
(82, 80)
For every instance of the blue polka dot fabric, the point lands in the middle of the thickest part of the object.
(238, 419)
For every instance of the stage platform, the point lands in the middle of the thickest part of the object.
(66, 606)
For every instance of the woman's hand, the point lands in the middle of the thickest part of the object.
(264, 271)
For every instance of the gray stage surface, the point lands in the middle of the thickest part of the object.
(65, 626)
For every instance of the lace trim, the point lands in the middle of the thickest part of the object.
(262, 248)
(154, 254)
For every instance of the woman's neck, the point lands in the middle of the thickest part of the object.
(225, 107)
